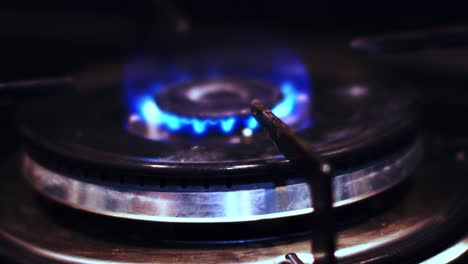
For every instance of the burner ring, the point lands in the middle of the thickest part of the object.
(216, 98)
(185, 206)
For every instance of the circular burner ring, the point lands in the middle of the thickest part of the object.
(217, 206)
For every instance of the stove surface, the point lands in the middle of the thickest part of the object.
(157, 158)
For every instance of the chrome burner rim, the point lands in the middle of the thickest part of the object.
(218, 207)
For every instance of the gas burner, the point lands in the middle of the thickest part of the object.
(87, 160)
(107, 166)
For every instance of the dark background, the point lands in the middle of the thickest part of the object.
(51, 38)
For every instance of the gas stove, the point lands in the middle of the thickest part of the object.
(214, 151)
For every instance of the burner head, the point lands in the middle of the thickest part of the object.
(216, 98)
(215, 105)
(208, 92)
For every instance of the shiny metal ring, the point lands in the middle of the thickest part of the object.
(217, 207)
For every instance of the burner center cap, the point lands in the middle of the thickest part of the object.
(216, 98)
(217, 92)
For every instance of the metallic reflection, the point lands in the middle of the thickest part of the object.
(210, 206)
(450, 254)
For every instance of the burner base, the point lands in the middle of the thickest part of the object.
(197, 204)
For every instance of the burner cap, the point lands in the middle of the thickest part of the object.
(216, 98)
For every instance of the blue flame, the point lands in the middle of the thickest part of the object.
(152, 114)
(145, 77)
(227, 125)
